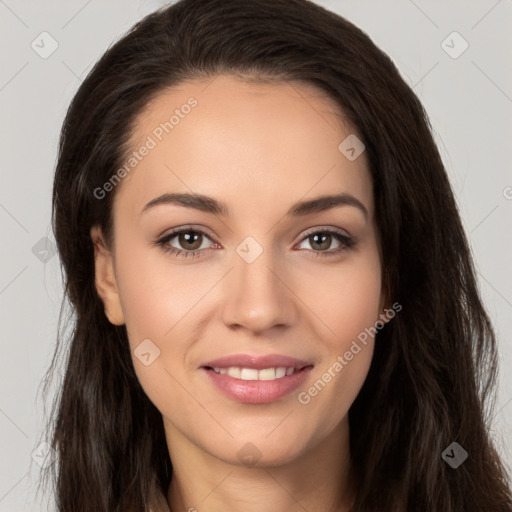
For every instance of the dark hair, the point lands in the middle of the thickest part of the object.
(434, 366)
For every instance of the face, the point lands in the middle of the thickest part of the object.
(257, 278)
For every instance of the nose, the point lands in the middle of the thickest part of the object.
(258, 295)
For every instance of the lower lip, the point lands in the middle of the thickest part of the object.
(257, 391)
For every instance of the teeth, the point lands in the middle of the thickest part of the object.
(249, 374)
(280, 372)
(267, 374)
(232, 372)
(253, 374)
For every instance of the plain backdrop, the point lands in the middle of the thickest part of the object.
(464, 81)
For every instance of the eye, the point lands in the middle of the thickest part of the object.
(191, 240)
(321, 240)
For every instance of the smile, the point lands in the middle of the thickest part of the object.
(252, 386)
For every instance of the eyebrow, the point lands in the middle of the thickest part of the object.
(210, 205)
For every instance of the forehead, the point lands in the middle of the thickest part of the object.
(276, 142)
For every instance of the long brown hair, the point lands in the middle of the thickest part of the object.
(434, 369)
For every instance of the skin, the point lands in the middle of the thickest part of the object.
(260, 149)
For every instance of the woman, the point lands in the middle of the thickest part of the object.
(276, 306)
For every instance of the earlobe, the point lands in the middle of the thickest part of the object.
(105, 280)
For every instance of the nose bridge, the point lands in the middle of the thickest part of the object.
(256, 297)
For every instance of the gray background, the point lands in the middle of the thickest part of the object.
(468, 98)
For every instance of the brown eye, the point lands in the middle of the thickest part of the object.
(190, 242)
(321, 241)
(186, 242)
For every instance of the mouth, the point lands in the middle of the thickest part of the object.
(251, 385)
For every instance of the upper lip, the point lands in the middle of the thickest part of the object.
(257, 362)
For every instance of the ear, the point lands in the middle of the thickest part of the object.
(105, 279)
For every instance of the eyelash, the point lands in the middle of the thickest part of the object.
(346, 243)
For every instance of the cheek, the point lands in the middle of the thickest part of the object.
(354, 320)
(154, 296)
(356, 305)
(349, 307)
(343, 371)
(162, 303)
(156, 305)
(345, 297)
(334, 389)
